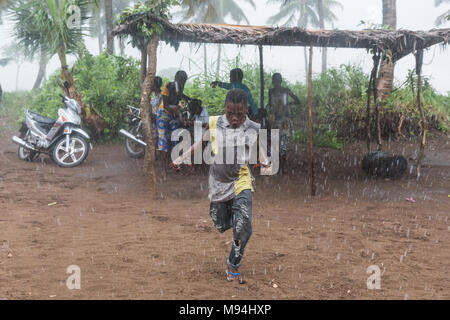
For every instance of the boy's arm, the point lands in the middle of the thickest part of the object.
(266, 165)
(293, 96)
(225, 85)
(296, 100)
(252, 103)
(178, 161)
(185, 97)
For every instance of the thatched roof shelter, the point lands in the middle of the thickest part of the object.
(400, 42)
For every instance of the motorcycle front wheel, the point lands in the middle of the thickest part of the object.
(72, 156)
(134, 149)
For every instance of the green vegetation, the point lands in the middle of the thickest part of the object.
(109, 83)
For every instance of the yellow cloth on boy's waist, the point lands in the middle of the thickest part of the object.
(244, 182)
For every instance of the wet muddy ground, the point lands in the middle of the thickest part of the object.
(130, 245)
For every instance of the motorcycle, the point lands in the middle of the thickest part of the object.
(63, 139)
(134, 138)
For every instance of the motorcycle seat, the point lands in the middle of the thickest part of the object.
(41, 119)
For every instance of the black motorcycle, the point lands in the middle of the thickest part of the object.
(134, 138)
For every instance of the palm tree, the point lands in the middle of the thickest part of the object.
(326, 15)
(3, 62)
(109, 26)
(306, 13)
(214, 11)
(386, 73)
(3, 7)
(443, 18)
(98, 23)
(43, 60)
(300, 13)
(46, 26)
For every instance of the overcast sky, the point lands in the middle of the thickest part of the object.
(411, 14)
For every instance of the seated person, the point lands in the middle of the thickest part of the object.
(167, 117)
(236, 76)
(197, 113)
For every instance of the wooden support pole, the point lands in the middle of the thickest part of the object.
(146, 115)
(419, 63)
(377, 58)
(310, 124)
(261, 79)
(369, 95)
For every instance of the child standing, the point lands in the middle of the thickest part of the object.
(281, 115)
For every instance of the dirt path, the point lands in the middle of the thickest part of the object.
(131, 246)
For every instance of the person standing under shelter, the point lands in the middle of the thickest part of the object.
(280, 115)
(236, 77)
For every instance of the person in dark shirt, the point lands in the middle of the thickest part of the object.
(236, 76)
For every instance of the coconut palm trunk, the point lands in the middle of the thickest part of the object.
(219, 57)
(321, 14)
(386, 74)
(99, 30)
(41, 73)
(19, 64)
(205, 62)
(109, 26)
(146, 115)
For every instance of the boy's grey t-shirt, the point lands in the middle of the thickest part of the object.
(232, 151)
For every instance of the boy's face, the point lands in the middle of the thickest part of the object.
(181, 81)
(236, 114)
(276, 81)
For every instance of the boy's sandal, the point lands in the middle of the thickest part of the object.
(234, 276)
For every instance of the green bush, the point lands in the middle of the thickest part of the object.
(107, 84)
(328, 139)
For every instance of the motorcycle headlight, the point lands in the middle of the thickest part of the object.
(73, 105)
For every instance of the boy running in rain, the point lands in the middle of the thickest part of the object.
(280, 115)
(167, 116)
(236, 76)
(230, 182)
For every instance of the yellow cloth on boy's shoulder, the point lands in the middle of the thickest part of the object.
(213, 133)
(245, 180)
